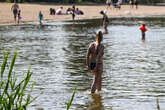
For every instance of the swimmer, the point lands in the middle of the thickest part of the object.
(105, 22)
(95, 62)
(143, 30)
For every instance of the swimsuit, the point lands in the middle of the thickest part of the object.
(15, 12)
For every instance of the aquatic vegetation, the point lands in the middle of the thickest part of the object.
(157, 103)
(12, 91)
(71, 100)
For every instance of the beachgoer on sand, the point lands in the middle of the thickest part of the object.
(95, 62)
(136, 3)
(59, 11)
(79, 12)
(109, 2)
(73, 12)
(105, 22)
(15, 8)
(40, 17)
(143, 30)
(19, 16)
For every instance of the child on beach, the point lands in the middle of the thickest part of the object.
(143, 30)
(94, 61)
(105, 22)
(40, 17)
(19, 16)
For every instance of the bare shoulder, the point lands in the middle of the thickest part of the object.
(92, 44)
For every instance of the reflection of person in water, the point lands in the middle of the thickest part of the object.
(94, 61)
(96, 104)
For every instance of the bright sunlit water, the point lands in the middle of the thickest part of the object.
(134, 71)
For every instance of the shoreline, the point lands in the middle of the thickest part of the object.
(29, 12)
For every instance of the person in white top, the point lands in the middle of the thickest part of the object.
(108, 2)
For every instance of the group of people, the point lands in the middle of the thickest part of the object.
(95, 52)
(16, 12)
(114, 4)
(73, 11)
(119, 3)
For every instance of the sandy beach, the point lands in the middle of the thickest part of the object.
(29, 12)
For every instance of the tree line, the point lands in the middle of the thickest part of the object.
(82, 1)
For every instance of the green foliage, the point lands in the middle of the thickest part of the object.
(12, 92)
(71, 100)
(8, 1)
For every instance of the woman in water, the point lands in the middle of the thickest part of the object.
(94, 61)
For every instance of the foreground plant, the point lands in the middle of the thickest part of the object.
(71, 100)
(12, 91)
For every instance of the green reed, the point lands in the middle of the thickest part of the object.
(71, 100)
(157, 103)
(12, 91)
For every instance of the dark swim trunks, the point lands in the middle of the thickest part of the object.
(92, 65)
(15, 12)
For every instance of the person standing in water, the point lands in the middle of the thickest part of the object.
(40, 17)
(143, 30)
(94, 61)
(15, 8)
(105, 22)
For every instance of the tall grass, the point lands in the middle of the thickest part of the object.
(12, 91)
(71, 100)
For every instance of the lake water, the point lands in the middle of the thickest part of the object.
(134, 71)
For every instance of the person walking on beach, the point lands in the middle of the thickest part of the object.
(94, 61)
(108, 2)
(143, 30)
(105, 22)
(40, 16)
(131, 2)
(73, 12)
(15, 8)
(19, 16)
(136, 3)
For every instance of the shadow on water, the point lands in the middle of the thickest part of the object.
(133, 70)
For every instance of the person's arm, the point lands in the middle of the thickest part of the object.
(87, 57)
(11, 7)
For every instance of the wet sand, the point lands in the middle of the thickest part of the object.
(29, 12)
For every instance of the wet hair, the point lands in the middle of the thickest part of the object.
(101, 12)
(99, 34)
(143, 25)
